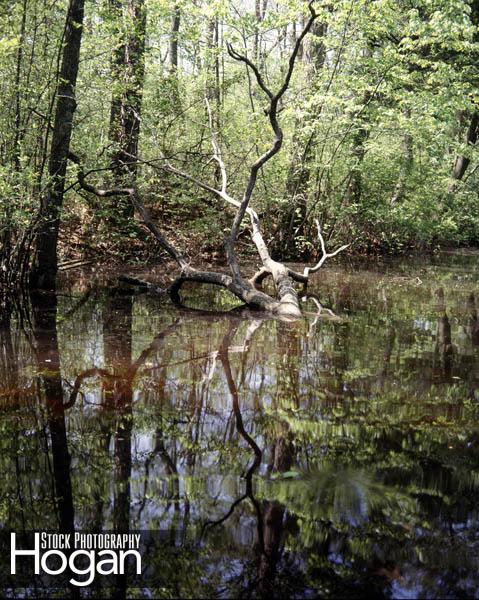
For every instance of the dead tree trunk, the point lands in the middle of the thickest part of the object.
(44, 269)
(286, 301)
(128, 74)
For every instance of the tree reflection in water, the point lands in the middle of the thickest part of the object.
(44, 334)
(332, 456)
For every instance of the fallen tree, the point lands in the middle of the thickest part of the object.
(286, 300)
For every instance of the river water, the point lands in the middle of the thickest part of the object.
(336, 456)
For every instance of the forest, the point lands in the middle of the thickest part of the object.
(234, 120)
(239, 296)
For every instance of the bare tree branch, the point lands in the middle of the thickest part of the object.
(241, 58)
(286, 303)
(326, 255)
(277, 141)
(132, 192)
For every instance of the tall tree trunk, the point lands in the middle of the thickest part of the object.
(360, 137)
(297, 183)
(212, 91)
(407, 160)
(259, 16)
(44, 269)
(128, 71)
(7, 232)
(172, 92)
(462, 162)
(175, 28)
(213, 71)
(18, 93)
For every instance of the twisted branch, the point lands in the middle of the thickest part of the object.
(287, 302)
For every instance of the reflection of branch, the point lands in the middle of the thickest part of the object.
(243, 349)
(155, 345)
(224, 357)
(170, 468)
(321, 309)
(157, 342)
(83, 299)
(132, 371)
(86, 375)
(207, 377)
(252, 327)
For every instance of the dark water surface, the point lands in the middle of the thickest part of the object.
(337, 456)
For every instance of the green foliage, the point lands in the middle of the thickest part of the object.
(391, 75)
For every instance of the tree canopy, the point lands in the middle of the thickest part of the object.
(380, 122)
